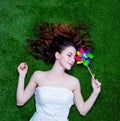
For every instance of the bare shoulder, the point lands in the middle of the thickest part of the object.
(39, 74)
(74, 81)
(73, 78)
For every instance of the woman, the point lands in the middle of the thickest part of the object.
(55, 90)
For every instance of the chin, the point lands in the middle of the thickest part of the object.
(68, 68)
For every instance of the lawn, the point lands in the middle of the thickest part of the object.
(17, 20)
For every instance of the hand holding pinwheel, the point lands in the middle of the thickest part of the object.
(84, 57)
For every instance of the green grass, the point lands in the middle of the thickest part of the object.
(17, 19)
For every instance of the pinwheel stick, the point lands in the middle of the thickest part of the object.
(89, 70)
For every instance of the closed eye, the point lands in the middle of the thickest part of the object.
(69, 55)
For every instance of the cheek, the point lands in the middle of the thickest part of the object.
(64, 60)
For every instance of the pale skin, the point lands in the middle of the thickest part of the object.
(57, 77)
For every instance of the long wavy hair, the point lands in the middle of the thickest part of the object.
(55, 37)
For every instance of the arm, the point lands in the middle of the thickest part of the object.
(23, 95)
(84, 106)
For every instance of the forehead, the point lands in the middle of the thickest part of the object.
(70, 49)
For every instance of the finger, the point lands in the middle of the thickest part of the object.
(97, 81)
(24, 63)
(93, 76)
(98, 84)
(23, 66)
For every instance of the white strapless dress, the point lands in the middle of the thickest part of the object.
(52, 104)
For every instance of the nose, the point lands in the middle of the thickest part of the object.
(73, 60)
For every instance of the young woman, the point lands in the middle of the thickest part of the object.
(55, 90)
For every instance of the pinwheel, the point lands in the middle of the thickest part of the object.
(84, 57)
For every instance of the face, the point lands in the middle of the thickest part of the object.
(67, 57)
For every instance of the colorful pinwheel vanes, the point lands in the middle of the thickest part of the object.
(84, 57)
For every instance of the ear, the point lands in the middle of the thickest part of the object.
(57, 55)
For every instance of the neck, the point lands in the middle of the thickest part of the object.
(57, 69)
